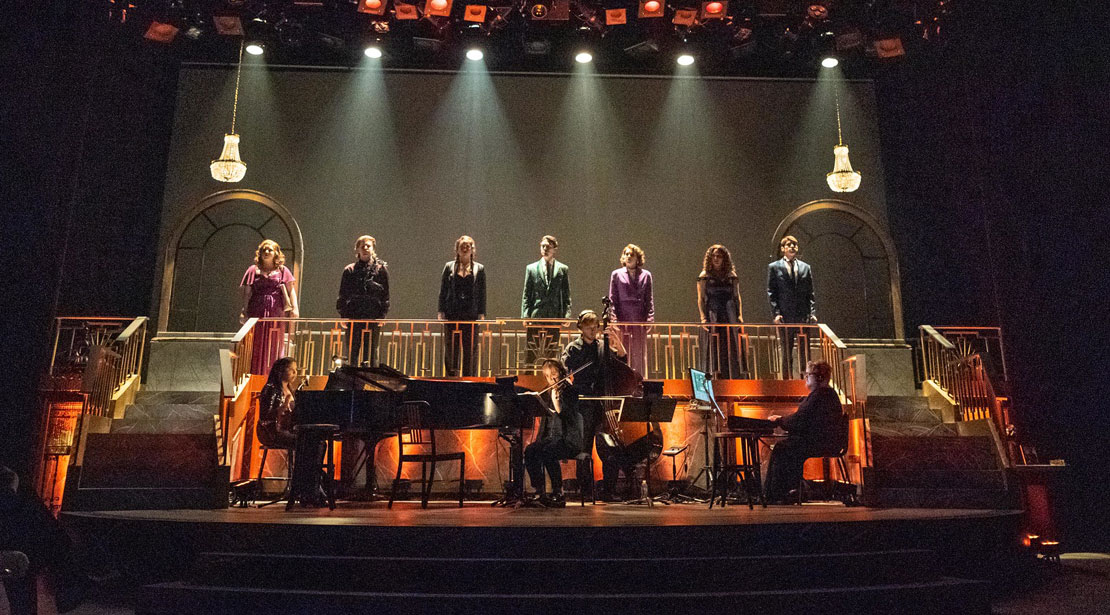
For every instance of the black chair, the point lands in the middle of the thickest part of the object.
(585, 462)
(288, 472)
(842, 464)
(413, 435)
(308, 479)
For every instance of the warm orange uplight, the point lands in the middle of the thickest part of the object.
(714, 8)
(651, 6)
(373, 4)
(439, 5)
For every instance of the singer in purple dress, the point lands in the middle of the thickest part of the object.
(633, 302)
(269, 291)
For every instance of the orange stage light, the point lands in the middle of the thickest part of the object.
(616, 17)
(650, 8)
(439, 8)
(715, 9)
(372, 7)
(475, 13)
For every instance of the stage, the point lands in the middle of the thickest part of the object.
(597, 558)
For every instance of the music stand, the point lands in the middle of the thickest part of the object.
(522, 406)
(702, 386)
(644, 410)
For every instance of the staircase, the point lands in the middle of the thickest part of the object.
(466, 578)
(922, 461)
(162, 454)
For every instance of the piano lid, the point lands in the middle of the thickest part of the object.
(381, 378)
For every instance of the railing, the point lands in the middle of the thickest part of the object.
(98, 357)
(490, 348)
(242, 351)
(963, 377)
(983, 341)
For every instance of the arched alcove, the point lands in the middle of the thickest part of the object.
(210, 249)
(855, 265)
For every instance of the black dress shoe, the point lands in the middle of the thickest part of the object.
(555, 500)
(609, 497)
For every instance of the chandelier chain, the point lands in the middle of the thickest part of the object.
(839, 138)
(239, 73)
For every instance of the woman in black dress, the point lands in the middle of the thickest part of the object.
(462, 300)
(719, 303)
(275, 405)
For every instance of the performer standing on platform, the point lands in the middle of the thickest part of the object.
(719, 303)
(631, 293)
(586, 350)
(818, 429)
(364, 295)
(560, 436)
(275, 405)
(546, 295)
(462, 297)
(269, 291)
(790, 291)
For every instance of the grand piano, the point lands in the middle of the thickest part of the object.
(369, 400)
(368, 404)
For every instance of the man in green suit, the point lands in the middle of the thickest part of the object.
(546, 295)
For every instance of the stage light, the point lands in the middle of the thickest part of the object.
(583, 57)
(373, 52)
(438, 5)
(474, 55)
(255, 49)
(830, 62)
(714, 8)
(372, 7)
(685, 59)
(652, 6)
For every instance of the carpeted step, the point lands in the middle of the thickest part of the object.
(572, 575)
(902, 409)
(909, 453)
(944, 595)
(200, 398)
(155, 411)
(917, 430)
(206, 425)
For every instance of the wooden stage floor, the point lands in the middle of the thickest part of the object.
(481, 514)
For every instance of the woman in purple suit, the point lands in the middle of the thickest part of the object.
(633, 302)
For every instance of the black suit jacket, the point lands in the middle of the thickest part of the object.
(454, 308)
(820, 421)
(364, 290)
(791, 298)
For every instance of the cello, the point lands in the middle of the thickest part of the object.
(639, 442)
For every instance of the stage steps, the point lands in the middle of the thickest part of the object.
(922, 460)
(163, 453)
(904, 581)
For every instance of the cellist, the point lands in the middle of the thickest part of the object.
(586, 349)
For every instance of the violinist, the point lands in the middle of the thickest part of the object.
(559, 437)
(586, 351)
(275, 405)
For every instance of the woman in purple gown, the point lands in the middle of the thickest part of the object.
(633, 302)
(269, 291)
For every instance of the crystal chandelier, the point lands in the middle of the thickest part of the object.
(229, 167)
(842, 178)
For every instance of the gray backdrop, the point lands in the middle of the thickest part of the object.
(416, 159)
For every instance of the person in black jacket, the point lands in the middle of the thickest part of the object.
(462, 298)
(819, 428)
(560, 436)
(790, 292)
(364, 295)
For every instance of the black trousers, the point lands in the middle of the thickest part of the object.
(614, 459)
(359, 330)
(784, 471)
(788, 335)
(542, 343)
(458, 349)
(545, 455)
(726, 352)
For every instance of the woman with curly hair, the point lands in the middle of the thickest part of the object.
(269, 291)
(719, 303)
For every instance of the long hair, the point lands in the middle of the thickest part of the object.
(279, 257)
(557, 364)
(727, 269)
(277, 369)
(473, 251)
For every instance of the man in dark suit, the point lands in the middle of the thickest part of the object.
(546, 295)
(790, 291)
(818, 429)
